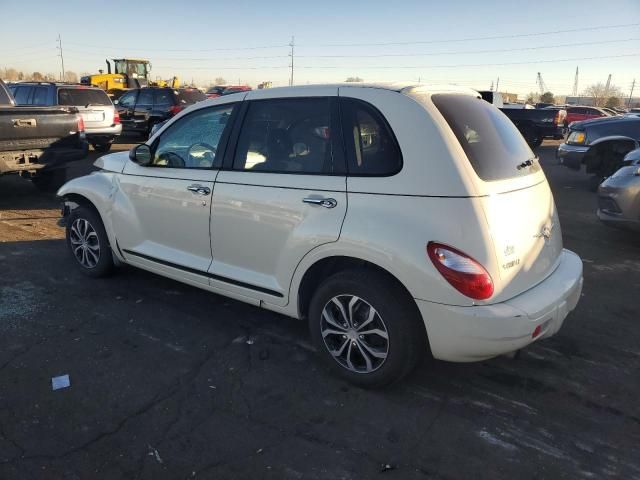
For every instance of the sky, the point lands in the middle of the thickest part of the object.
(470, 43)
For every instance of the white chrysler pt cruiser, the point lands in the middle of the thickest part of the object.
(397, 220)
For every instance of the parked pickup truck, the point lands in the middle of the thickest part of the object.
(535, 124)
(38, 142)
(600, 144)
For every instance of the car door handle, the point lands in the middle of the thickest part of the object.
(323, 202)
(199, 189)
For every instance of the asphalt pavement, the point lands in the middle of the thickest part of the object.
(168, 381)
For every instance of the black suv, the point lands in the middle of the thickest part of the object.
(141, 108)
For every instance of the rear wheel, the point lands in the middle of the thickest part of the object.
(366, 328)
(88, 242)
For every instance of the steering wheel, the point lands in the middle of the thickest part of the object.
(170, 159)
(201, 154)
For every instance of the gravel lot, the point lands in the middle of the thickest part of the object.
(168, 381)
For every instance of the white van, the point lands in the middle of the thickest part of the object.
(397, 220)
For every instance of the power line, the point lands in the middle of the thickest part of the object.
(460, 52)
(260, 47)
(475, 64)
(495, 37)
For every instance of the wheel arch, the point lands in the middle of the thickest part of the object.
(326, 266)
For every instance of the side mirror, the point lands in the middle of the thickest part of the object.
(141, 154)
(115, 102)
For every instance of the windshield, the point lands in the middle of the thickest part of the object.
(78, 97)
(494, 146)
(131, 68)
(190, 96)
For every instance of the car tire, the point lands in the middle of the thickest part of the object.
(49, 182)
(394, 315)
(102, 147)
(88, 242)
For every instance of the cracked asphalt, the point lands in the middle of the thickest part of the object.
(168, 381)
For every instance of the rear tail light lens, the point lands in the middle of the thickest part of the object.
(461, 271)
(175, 109)
(80, 123)
(116, 117)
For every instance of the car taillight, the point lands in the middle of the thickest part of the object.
(80, 123)
(116, 117)
(461, 271)
(175, 109)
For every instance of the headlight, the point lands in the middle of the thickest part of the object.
(578, 138)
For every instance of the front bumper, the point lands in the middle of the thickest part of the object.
(571, 156)
(619, 202)
(468, 334)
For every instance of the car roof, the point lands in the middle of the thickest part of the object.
(400, 87)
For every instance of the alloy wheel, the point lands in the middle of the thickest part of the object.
(85, 244)
(354, 333)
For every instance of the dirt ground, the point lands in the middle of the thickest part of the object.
(168, 381)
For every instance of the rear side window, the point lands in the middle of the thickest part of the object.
(21, 94)
(128, 100)
(81, 97)
(372, 149)
(492, 143)
(145, 97)
(40, 96)
(190, 96)
(163, 98)
(286, 136)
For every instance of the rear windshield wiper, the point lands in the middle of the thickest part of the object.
(527, 163)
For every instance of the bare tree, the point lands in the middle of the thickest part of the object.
(354, 79)
(10, 74)
(220, 81)
(37, 76)
(600, 93)
(70, 76)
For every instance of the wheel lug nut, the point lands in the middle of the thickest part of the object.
(361, 337)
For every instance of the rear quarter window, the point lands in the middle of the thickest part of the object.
(80, 97)
(492, 143)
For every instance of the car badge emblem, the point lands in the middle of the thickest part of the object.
(545, 232)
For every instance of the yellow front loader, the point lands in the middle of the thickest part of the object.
(127, 73)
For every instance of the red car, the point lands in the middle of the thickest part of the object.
(220, 90)
(576, 114)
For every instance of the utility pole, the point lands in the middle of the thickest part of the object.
(631, 94)
(497, 83)
(491, 87)
(575, 84)
(606, 87)
(292, 45)
(61, 57)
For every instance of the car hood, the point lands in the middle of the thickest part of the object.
(583, 124)
(114, 162)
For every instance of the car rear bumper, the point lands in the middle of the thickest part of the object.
(467, 334)
(103, 132)
(571, 156)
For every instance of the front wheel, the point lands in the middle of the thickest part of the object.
(88, 242)
(366, 328)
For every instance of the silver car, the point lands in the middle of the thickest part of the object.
(619, 195)
(101, 119)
